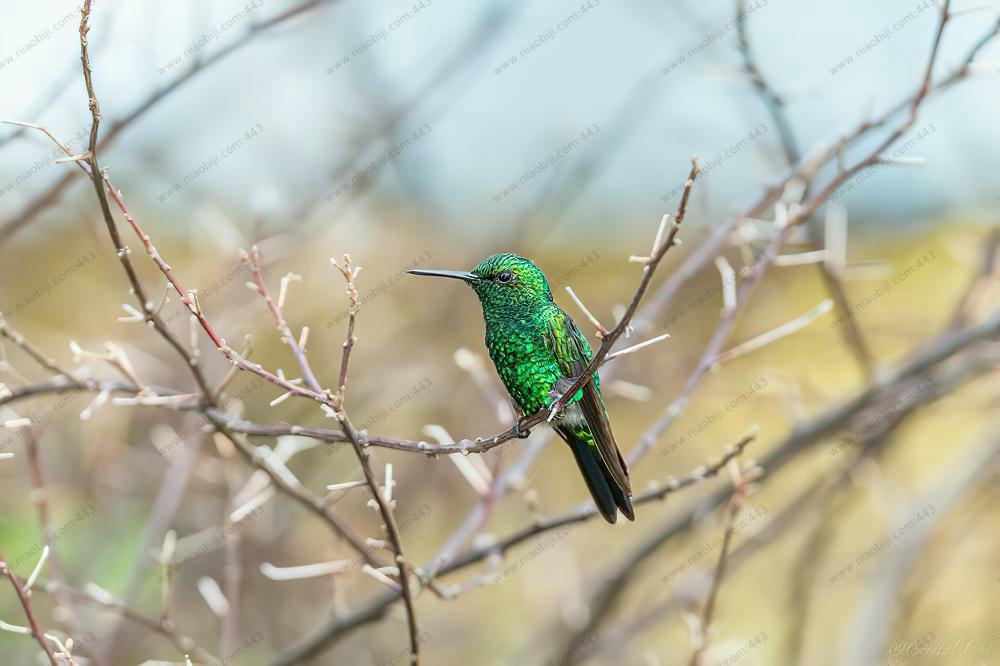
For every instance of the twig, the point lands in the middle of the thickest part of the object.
(335, 407)
(40, 497)
(352, 295)
(164, 627)
(776, 108)
(254, 261)
(298, 492)
(307, 570)
(45, 361)
(609, 340)
(774, 334)
(23, 596)
(169, 398)
(775, 103)
(601, 330)
(636, 347)
(124, 254)
(740, 483)
(381, 498)
(728, 278)
(610, 589)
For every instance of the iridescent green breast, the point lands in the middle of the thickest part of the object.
(523, 358)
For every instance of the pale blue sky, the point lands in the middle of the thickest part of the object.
(487, 129)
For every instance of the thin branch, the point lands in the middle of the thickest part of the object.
(775, 105)
(381, 498)
(165, 627)
(636, 347)
(352, 295)
(736, 500)
(23, 596)
(601, 329)
(45, 361)
(611, 587)
(254, 261)
(162, 397)
(772, 100)
(623, 324)
(40, 497)
(232, 571)
(311, 501)
(774, 334)
(150, 313)
(124, 254)
(392, 530)
(335, 407)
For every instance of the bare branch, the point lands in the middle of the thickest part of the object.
(623, 324)
(164, 627)
(297, 492)
(381, 498)
(23, 596)
(46, 362)
(741, 482)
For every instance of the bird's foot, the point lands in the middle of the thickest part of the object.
(519, 431)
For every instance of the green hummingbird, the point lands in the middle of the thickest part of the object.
(539, 352)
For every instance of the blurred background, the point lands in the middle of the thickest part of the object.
(432, 135)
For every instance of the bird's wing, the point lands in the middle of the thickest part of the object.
(572, 352)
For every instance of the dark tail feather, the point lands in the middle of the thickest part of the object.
(607, 495)
(623, 501)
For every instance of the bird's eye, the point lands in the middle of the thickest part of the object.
(505, 277)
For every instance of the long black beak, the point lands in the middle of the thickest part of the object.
(458, 275)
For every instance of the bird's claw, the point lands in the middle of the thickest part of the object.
(519, 432)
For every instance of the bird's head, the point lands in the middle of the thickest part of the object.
(502, 281)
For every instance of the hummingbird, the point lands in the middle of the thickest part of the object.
(539, 352)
